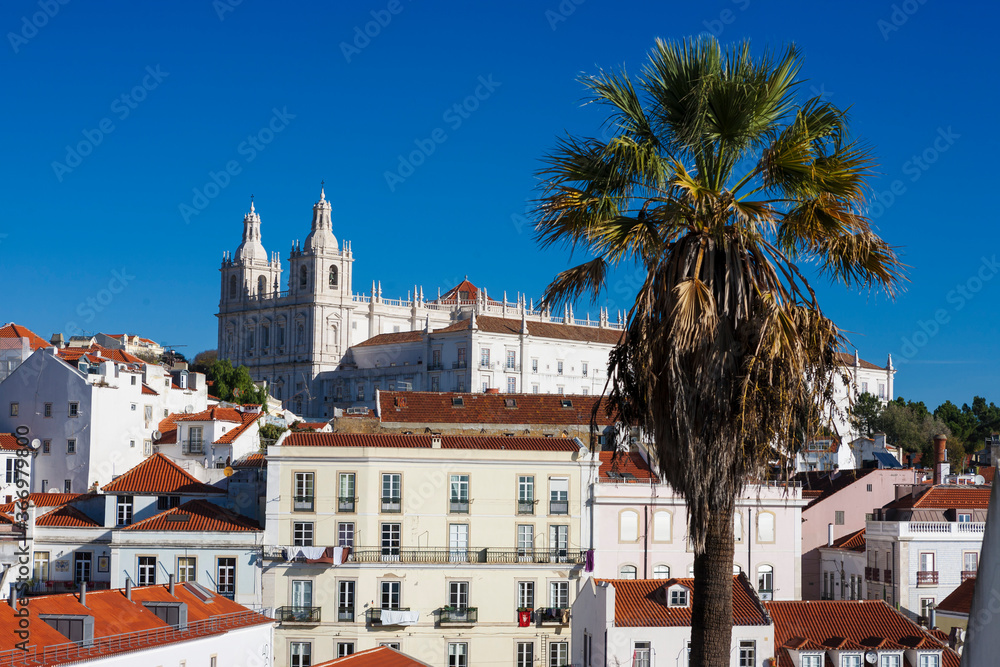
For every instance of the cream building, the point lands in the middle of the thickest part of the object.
(449, 537)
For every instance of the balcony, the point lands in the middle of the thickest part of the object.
(297, 614)
(512, 368)
(552, 615)
(485, 366)
(872, 573)
(887, 576)
(193, 446)
(458, 364)
(968, 574)
(458, 555)
(459, 506)
(558, 507)
(373, 615)
(458, 616)
(937, 530)
(345, 504)
(345, 614)
(393, 505)
(435, 366)
(927, 578)
(303, 504)
(525, 506)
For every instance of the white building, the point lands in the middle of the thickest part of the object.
(16, 344)
(843, 563)
(647, 623)
(131, 343)
(305, 338)
(94, 412)
(207, 442)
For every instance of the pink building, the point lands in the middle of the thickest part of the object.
(839, 503)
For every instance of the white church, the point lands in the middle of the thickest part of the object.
(320, 345)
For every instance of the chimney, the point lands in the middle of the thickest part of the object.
(83, 593)
(941, 467)
(170, 584)
(436, 442)
(58, 340)
(12, 596)
(931, 616)
(128, 588)
(829, 534)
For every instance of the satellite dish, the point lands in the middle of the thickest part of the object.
(980, 480)
(157, 435)
(228, 472)
(871, 657)
(35, 444)
(188, 409)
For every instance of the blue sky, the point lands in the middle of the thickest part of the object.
(118, 116)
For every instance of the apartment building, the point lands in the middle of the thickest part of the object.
(453, 549)
(843, 564)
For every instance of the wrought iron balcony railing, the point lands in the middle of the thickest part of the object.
(345, 503)
(392, 504)
(458, 616)
(373, 615)
(558, 507)
(297, 614)
(525, 506)
(927, 578)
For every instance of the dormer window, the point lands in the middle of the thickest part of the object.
(851, 660)
(678, 597)
(929, 660)
(811, 660)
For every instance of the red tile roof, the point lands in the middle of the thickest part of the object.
(248, 420)
(472, 294)
(168, 429)
(630, 463)
(201, 516)
(12, 330)
(213, 415)
(309, 426)
(848, 360)
(66, 516)
(45, 500)
(500, 325)
(147, 390)
(438, 407)
(310, 439)
(158, 475)
(946, 496)
(8, 442)
(642, 603)
(393, 338)
(95, 353)
(960, 600)
(831, 623)
(851, 542)
(988, 473)
(250, 461)
(383, 656)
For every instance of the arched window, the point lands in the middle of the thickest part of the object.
(765, 527)
(300, 334)
(661, 572)
(261, 285)
(628, 526)
(303, 277)
(765, 578)
(233, 287)
(628, 572)
(661, 526)
(333, 276)
(249, 340)
(265, 337)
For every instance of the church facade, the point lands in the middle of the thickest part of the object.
(321, 346)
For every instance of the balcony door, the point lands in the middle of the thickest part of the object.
(302, 594)
(558, 543)
(927, 561)
(458, 542)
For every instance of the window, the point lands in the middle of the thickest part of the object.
(964, 517)
(662, 526)
(345, 492)
(67, 486)
(628, 572)
(361, 391)
(390, 594)
(970, 563)
(558, 654)
(926, 562)
(534, 366)
(14, 409)
(392, 492)
(484, 357)
(333, 276)
(765, 527)
(458, 594)
(738, 526)
(512, 385)
(124, 504)
(559, 495)
(302, 534)
(459, 495)
(458, 654)
(748, 653)
(11, 471)
(849, 660)
(558, 543)
(584, 368)
(628, 526)
(534, 389)
(303, 277)
(41, 571)
(929, 660)
(641, 654)
(345, 534)
(390, 541)
(134, 405)
(458, 542)
(525, 539)
(167, 502)
(678, 597)
(187, 568)
(45, 485)
(46, 446)
(888, 660)
(661, 572)
(195, 443)
(526, 494)
(71, 446)
(559, 594)
(838, 517)
(812, 660)
(765, 578)
(83, 566)
(435, 384)
(486, 383)
(869, 488)
(525, 595)
(525, 654)
(304, 486)
(559, 368)
(345, 601)
(47, 412)
(147, 570)
(344, 649)
(881, 390)
(301, 654)
(225, 579)
(511, 360)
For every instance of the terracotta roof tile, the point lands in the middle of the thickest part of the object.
(310, 439)
(960, 600)
(310, 426)
(438, 407)
(168, 429)
(248, 420)
(630, 463)
(472, 294)
(851, 542)
(213, 415)
(8, 442)
(256, 460)
(500, 325)
(43, 500)
(393, 338)
(158, 475)
(946, 496)
(383, 656)
(12, 330)
(201, 516)
(96, 353)
(988, 473)
(148, 391)
(848, 360)
(66, 516)
(642, 603)
(855, 623)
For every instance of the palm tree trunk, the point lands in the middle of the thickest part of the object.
(712, 603)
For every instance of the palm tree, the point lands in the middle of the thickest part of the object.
(714, 182)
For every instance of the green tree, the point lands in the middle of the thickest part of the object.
(865, 414)
(962, 423)
(204, 360)
(234, 384)
(716, 182)
(269, 434)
